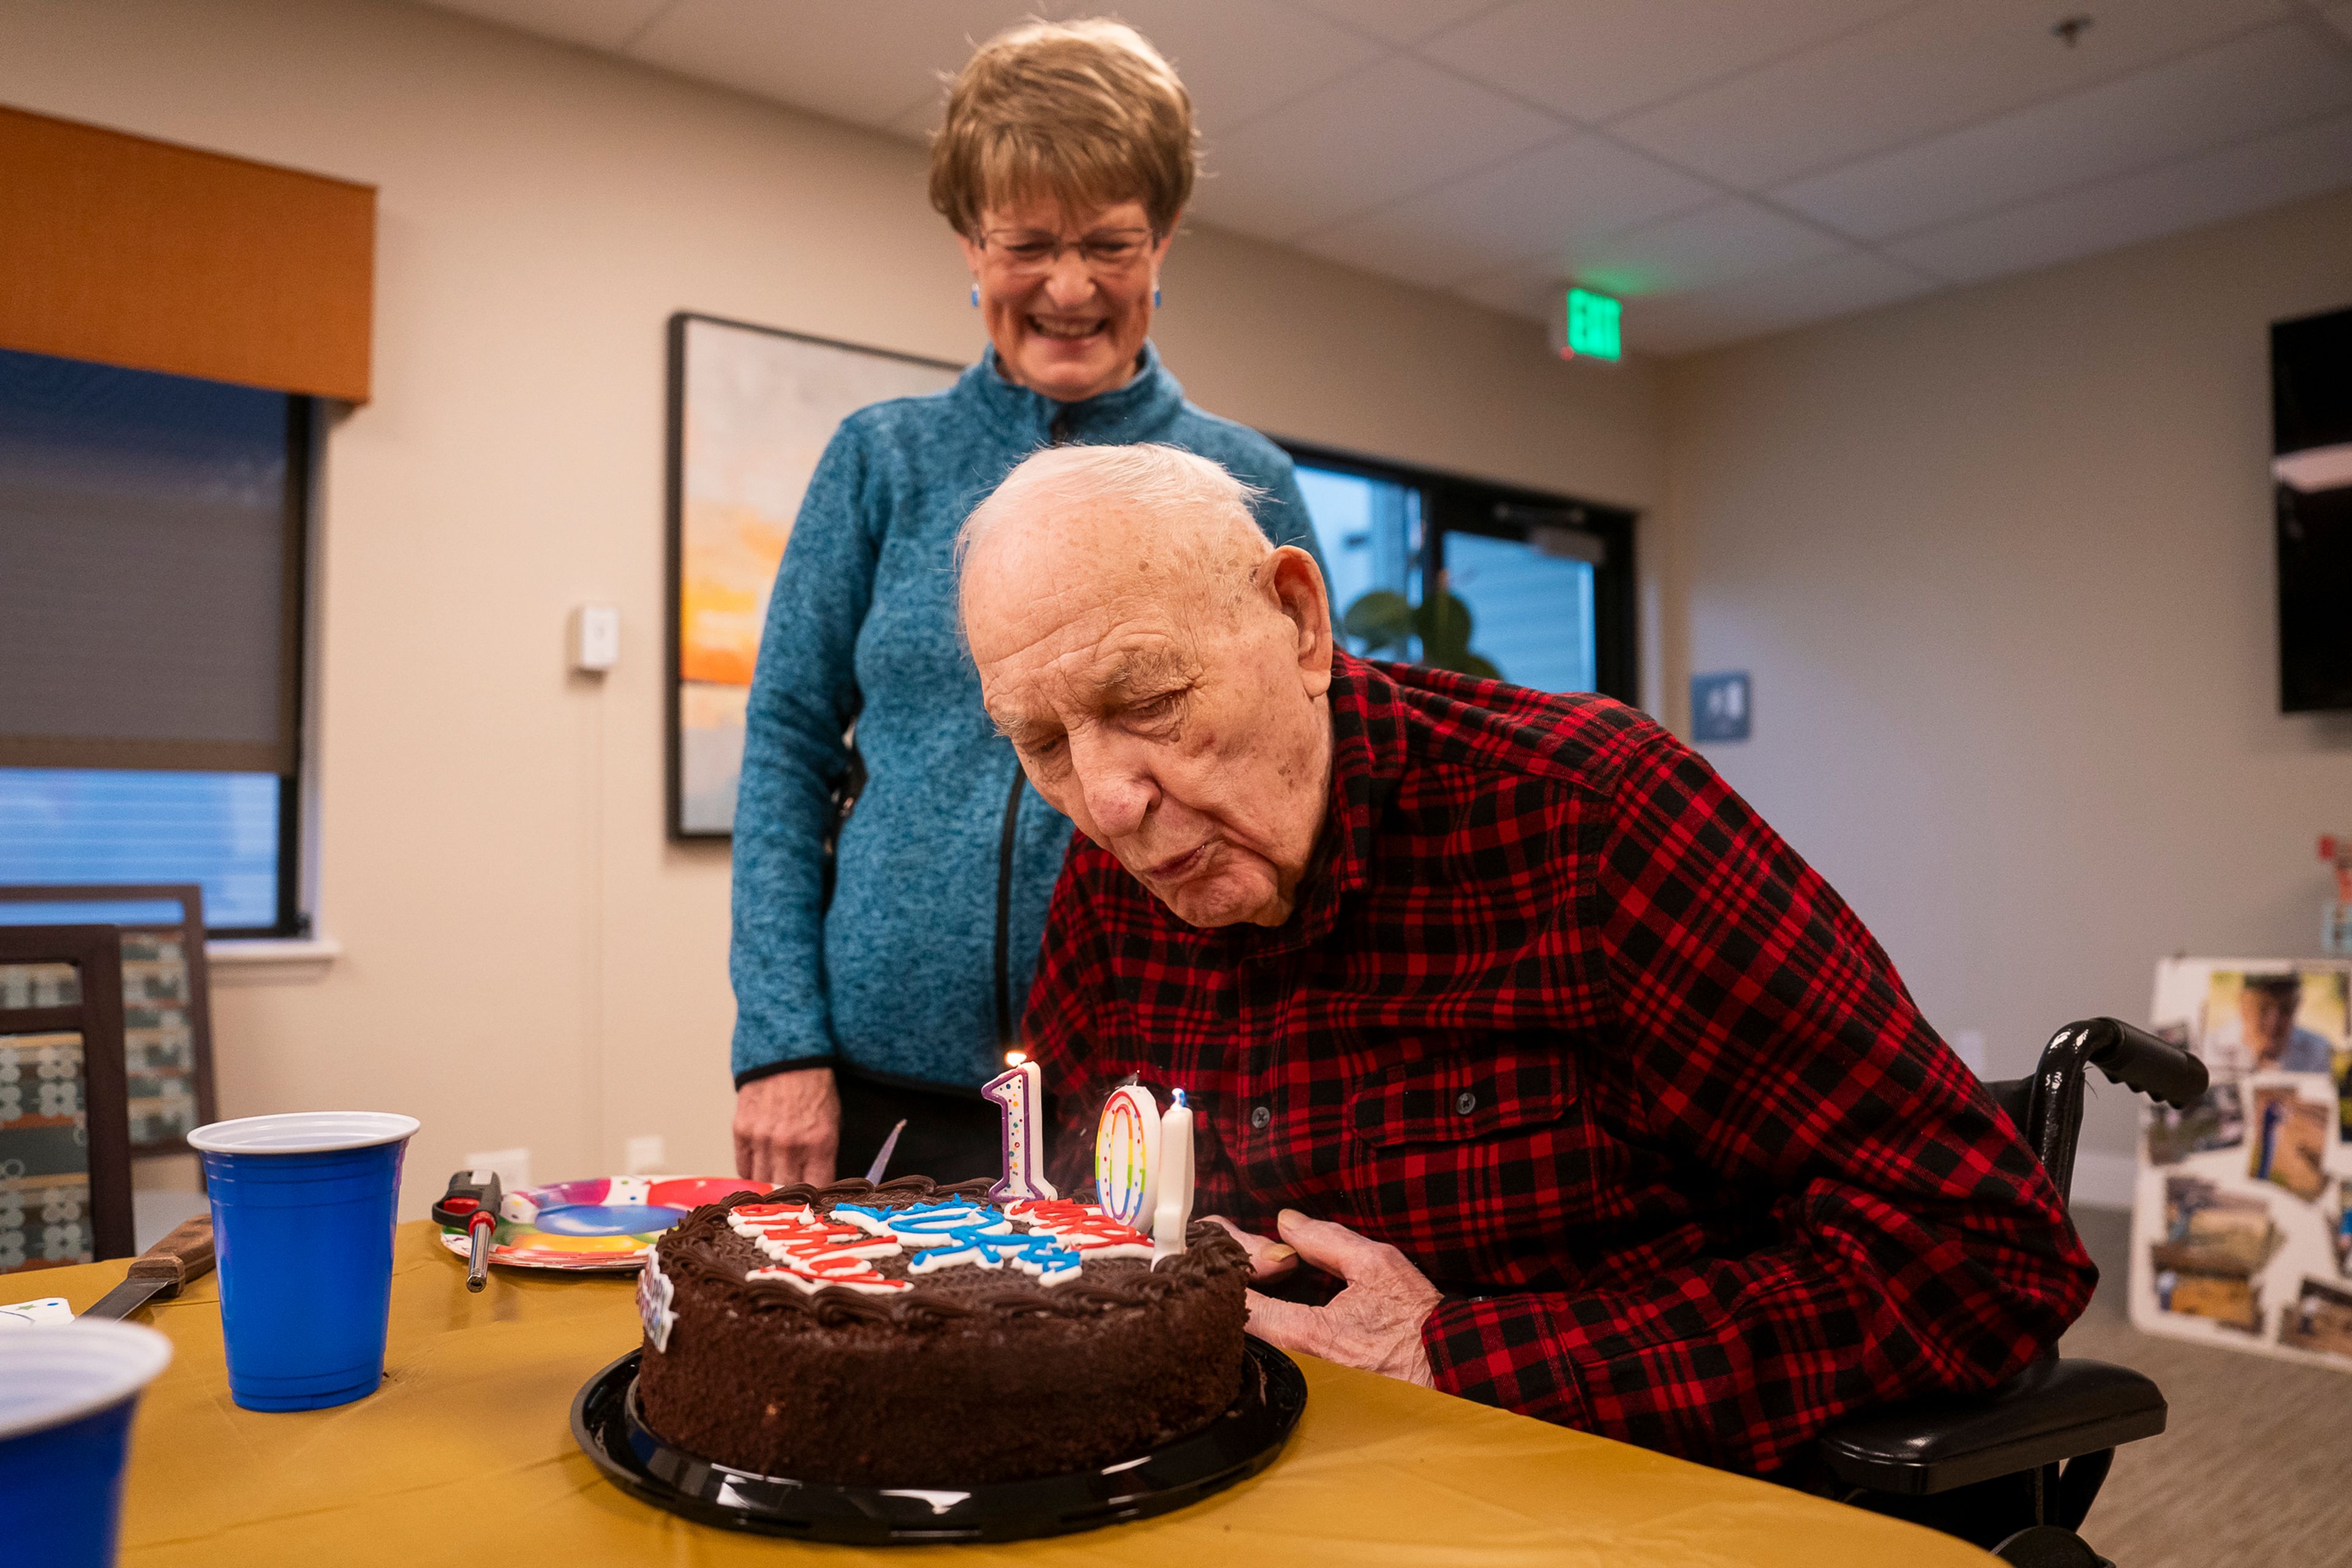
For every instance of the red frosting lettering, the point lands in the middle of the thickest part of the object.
(1080, 1227)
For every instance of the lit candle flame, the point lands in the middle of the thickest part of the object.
(1014, 1059)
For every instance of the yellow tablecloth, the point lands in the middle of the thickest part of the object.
(466, 1456)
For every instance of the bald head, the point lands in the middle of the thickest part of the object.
(1179, 524)
(1159, 667)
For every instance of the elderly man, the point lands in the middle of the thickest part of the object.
(1580, 1093)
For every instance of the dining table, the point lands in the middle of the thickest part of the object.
(466, 1454)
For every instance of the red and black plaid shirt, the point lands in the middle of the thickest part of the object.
(1559, 1017)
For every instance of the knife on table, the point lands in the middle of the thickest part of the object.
(162, 1271)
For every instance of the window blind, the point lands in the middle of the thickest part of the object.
(149, 559)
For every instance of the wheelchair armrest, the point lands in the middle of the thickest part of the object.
(2054, 1410)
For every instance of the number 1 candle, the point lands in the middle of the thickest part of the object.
(1018, 1096)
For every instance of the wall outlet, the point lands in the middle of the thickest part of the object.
(644, 1156)
(1969, 1045)
(513, 1166)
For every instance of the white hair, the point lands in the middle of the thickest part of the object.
(1196, 502)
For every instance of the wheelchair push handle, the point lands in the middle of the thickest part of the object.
(2137, 1059)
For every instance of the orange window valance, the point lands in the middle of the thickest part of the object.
(138, 253)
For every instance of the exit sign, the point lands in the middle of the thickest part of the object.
(1592, 325)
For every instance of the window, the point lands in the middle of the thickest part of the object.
(151, 614)
(1548, 580)
(1370, 530)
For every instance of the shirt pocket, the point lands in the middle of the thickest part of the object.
(1475, 1165)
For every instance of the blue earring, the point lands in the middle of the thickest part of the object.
(1155, 296)
(975, 296)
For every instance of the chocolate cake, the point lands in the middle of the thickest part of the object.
(918, 1335)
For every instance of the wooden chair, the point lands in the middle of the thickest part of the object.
(65, 1130)
(166, 1006)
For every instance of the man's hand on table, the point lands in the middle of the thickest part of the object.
(1374, 1323)
(788, 1127)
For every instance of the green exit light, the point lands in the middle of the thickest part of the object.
(1592, 325)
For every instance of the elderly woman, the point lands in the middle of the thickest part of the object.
(889, 899)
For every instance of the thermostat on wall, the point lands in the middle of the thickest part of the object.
(596, 638)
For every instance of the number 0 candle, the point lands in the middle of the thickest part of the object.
(1127, 1157)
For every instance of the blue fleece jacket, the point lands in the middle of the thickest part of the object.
(920, 966)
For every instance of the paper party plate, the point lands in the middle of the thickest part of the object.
(604, 1222)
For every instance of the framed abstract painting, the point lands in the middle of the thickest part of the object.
(750, 410)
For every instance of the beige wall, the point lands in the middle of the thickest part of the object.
(527, 960)
(2001, 565)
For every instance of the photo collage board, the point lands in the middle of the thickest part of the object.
(2242, 1232)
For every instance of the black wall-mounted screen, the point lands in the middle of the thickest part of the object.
(2311, 416)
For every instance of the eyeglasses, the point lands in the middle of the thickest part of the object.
(1028, 253)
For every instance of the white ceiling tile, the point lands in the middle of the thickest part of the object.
(1398, 21)
(865, 64)
(916, 123)
(599, 24)
(1369, 138)
(1546, 201)
(2124, 211)
(1525, 288)
(1241, 58)
(1238, 58)
(1594, 58)
(2254, 83)
(1719, 244)
(1792, 297)
(1727, 239)
(1921, 73)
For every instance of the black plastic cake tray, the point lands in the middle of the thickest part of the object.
(1233, 1447)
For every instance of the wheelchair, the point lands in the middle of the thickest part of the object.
(2015, 1469)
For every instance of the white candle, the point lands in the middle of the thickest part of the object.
(1174, 1209)
(1018, 1095)
(1127, 1157)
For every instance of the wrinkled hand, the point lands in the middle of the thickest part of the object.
(1269, 1260)
(1374, 1323)
(787, 1126)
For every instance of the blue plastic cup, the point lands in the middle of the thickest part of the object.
(303, 1206)
(66, 1394)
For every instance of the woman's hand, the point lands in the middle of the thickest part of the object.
(788, 1127)
(1374, 1323)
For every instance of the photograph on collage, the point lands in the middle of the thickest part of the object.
(2274, 1021)
(2320, 1319)
(2287, 1145)
(2214, 1245)
(2216, 1122)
